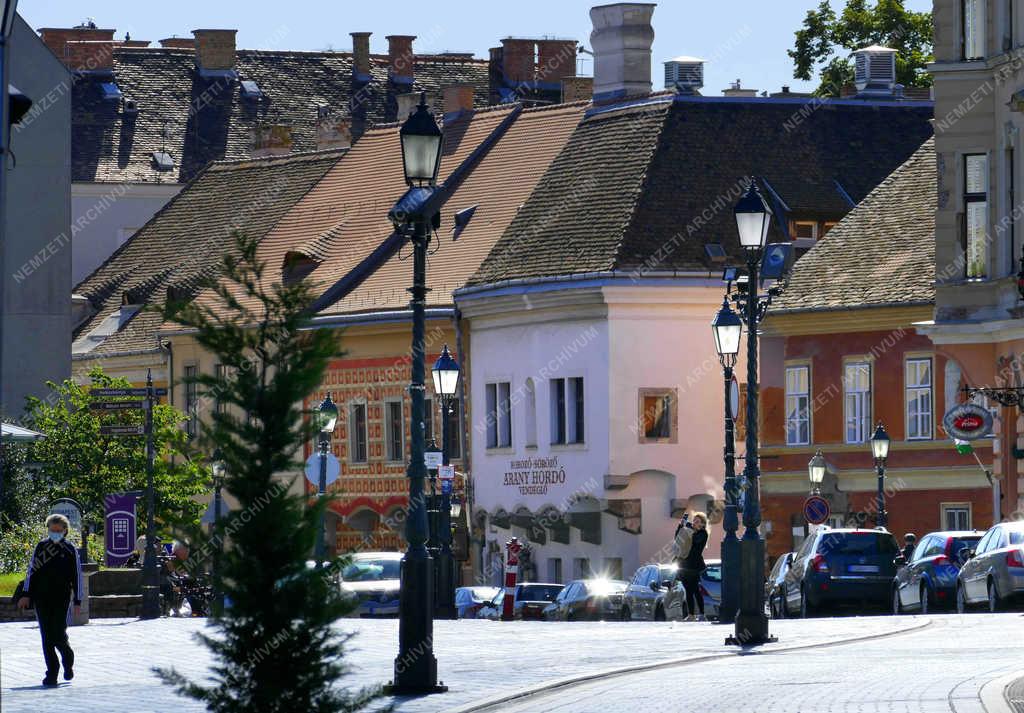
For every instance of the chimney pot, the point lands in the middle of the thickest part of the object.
(556, 59)
(178, 43)
(57, 38)
(361, 56)
(400, 58)
(457, 98)
(215, 50)
(622, 39)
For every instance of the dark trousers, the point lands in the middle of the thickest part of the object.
(691, 583)
(53, 629)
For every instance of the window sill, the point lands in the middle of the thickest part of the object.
(569, 446)
(499, 450)
(670, 440)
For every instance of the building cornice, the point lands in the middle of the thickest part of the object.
(834, 321)
(866, 480)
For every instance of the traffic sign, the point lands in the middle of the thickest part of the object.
(433, 459)
(122, 430)
(446, 486)
(968, 422)
(313, 469)
(107, 393)
(446, 472)
(816, 510)
(115, 405)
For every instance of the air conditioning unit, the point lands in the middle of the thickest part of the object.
(875, 70)
(685, 74)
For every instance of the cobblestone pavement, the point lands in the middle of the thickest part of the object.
(484, 660)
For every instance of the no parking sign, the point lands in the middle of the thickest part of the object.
(816, 510)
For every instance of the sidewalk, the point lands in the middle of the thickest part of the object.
(478, 660)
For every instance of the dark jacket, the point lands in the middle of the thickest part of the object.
(694, 561)
(54, 574)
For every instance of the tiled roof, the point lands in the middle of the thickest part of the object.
(181, 244)
(646, 187)
(198, 120)
(882, 253)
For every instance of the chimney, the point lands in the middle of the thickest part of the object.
(457, 98)
(95, 56)
(407, 103)
(271, 140)
(178, 43)
(736, 90)
(400, 58)
(215, 51)
(577, 88)
(621, 40)
(332, 131)
(361, 56)
(518, 60)
(57, 38)
(875, 73)
(556, 59)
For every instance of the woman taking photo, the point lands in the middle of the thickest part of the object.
(692, 566)
(53, 584)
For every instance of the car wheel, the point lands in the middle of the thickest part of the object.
(806, 610)
(659, 613)
(924, 598)
(994, 604)
(962, 606)
(626, 614)
(897, 605)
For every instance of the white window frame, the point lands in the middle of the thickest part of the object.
(498, 396)
(531, 414)
(563, 394)
(973, 28)
(389, 455)
(352, 443)
(946, 508)
(793, 403)
(976, 220)
(915, 420)
(857, 401)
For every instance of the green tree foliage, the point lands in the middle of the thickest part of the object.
(825, 42)
(75, 461)
(276, 647)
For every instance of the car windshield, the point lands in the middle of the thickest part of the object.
(858, 543)
(713, 573)
(1017, 537)
(539, 592)
(668, 571)
(602, 587)
(961, 542)
(371, 570)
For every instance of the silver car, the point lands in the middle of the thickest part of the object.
(993, 574)
(646, 597)
(373, 579)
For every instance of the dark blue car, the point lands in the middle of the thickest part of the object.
(928, 580)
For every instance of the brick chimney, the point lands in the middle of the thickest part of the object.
(178, 43)
(57, 38)
(622, 39)
(215, 50)
(518, 60)
(556, 59)
(271, 140)
(400, 58)
(361, 56)
(89, 56)
(577, 88)
(457, 98)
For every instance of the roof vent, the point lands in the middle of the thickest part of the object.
(130, 107)
(875, 71)
(251, 90)
(685, 74)
(163, 161)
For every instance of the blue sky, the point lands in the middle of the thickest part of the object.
(744, 39)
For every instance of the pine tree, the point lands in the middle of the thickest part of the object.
(276, 646)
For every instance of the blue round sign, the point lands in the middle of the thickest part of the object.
(816, 510)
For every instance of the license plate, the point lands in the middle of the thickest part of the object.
(863, 568)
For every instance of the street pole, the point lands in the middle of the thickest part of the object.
(415, 665)
(218, 601)
(751, 622)
(730, 520)
(445, 606)
(151, 586)
(882, 518)
(321, 491)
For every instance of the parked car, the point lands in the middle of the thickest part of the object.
(711, 588)
(493, 609)
(841, 566)
(587, 599)
(774, 591)
(645, 595)
(531, 598)
(928, 580)
(993, 573)
(470, 600)
(374, 579)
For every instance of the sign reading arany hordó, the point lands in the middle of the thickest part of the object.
(968, 422)
(533, 476)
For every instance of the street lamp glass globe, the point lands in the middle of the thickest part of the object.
(421, 146)
(446, 374)
(727, 328)
(753, 217)
(327, 413)
(816, 469)
(880, 443)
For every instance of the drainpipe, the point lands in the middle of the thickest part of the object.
(466, 464)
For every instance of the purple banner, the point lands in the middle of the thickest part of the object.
(120, 527)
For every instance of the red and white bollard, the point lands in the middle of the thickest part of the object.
(512, 548)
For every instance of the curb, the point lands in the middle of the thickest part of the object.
(489, 703)
(993, 694)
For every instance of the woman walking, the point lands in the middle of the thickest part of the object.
(53, 584)
(692, 567)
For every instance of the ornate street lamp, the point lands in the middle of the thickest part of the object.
(880, 452)
(413, 215)
(753, 218)
(327, 419)
(727, 328)
(816, 471)
(218, 469)
(446, 381)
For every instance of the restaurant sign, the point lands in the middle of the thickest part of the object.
(968, 422)
(532, 476)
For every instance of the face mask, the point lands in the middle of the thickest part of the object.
(56, 536)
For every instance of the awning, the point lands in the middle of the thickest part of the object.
(17, 434)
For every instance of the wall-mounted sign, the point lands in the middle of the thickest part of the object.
(968, 422)
(533, 476)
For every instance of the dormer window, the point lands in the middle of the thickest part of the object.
(297, 266)
(973, 28)
(111, 92)
(163, 161)
(251, 90)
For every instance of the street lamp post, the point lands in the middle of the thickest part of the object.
(218, 553)
(816, 468)
(753, 218)
(880, 452)
(446, 380)
(327, 416)
(415, 215)
(727, 329)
